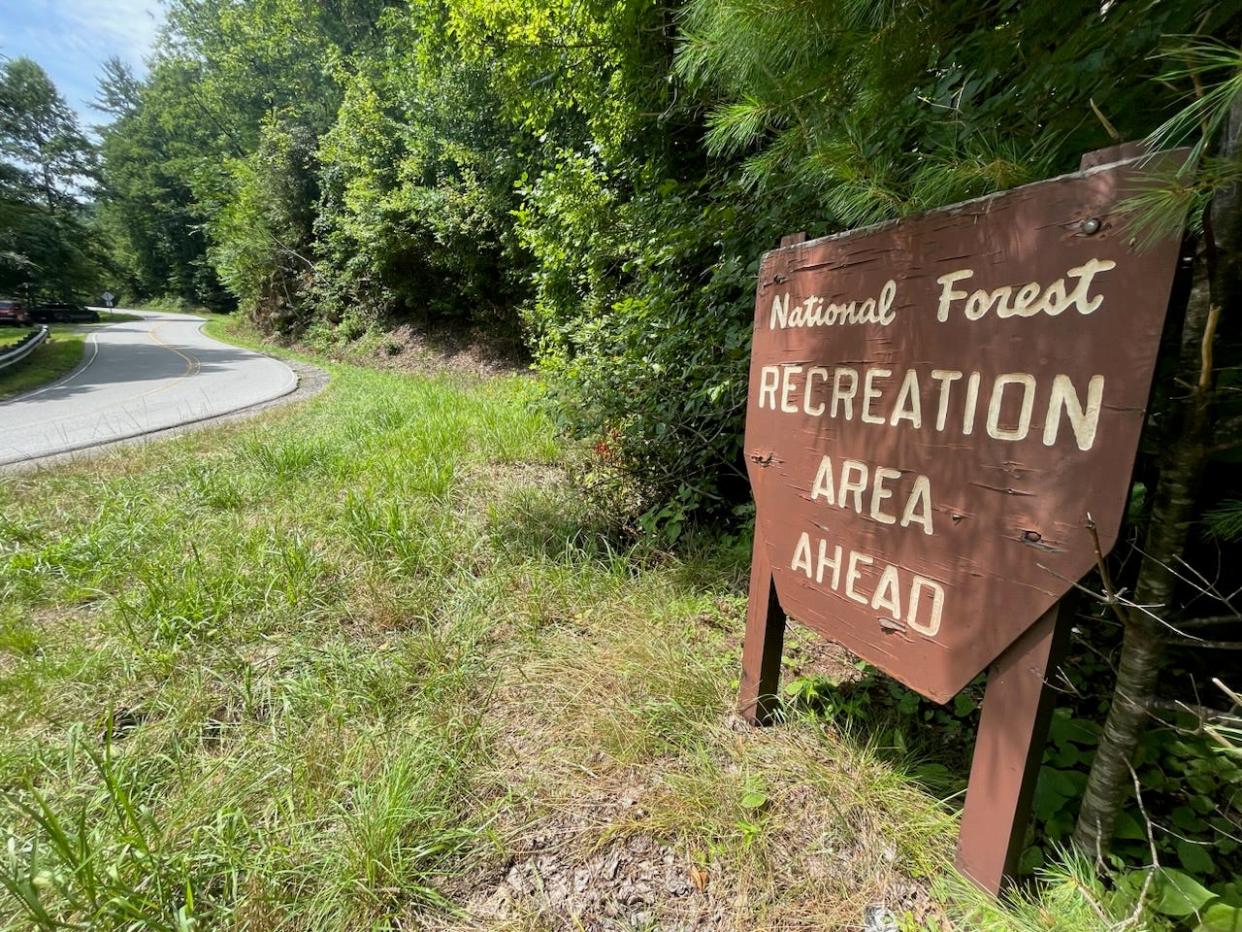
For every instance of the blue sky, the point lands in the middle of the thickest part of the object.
(71, 39)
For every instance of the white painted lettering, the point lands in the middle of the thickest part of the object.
(1083, 418)
(909, 406)
(884, 401)
(839, 394)
(780, 312)
(769, 378)
(972, 400)
(997, 403)
(945, 377)
(813, 410)
(833, 564)
(823, 483)
(815, 312)
(853, 573)
(855, 485)
(787, 389)
(886, 314)
(948, 294)
(1031, 299)
(871, 393)
(887, 596)
(918, 508)
(802, 555)
(930, 627)
(1085, 273)
(879, 494)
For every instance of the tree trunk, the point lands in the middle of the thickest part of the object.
(1142, 646)
(1174, 508)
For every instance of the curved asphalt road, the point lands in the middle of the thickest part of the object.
(135, 378)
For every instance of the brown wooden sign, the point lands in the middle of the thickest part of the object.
(940, 408)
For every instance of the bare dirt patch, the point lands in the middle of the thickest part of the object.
(811, 655)
(413, 348)
(590, 865)
(561, 873)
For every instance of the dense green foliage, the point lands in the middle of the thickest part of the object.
(603, 175)
(46, 169)
(150, 150)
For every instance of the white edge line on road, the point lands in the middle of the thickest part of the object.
(178, 427)
(65, 379)
(293, 376)
(290, 387)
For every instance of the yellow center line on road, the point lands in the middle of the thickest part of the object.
(192, 364)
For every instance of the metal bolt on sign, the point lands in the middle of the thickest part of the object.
(942, 419)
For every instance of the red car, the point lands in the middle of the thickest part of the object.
(13, 312)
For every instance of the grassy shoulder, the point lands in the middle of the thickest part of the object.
(237, 329)
(373, 661)
(117, 317)
(10, 335)
(55, 357)
(172, 304)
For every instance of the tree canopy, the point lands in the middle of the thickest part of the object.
(47, 172)
(600, 177)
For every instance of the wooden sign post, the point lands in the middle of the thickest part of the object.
(941, 426)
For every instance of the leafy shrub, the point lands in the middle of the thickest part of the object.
(418, 176)
(1189, 777)
(641, 319)
(261, 229)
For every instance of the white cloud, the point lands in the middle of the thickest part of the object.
(72, 38)
(129, 26)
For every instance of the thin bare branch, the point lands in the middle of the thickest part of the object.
(1110, 593)
(1140, 902)
(1201, 644)
(1205, 714)
(1210, 621)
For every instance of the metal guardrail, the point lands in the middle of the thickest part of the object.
(23, 348)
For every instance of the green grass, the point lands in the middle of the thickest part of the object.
(363, 662)
(173, 304)
(54, 358)
(116, 317)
